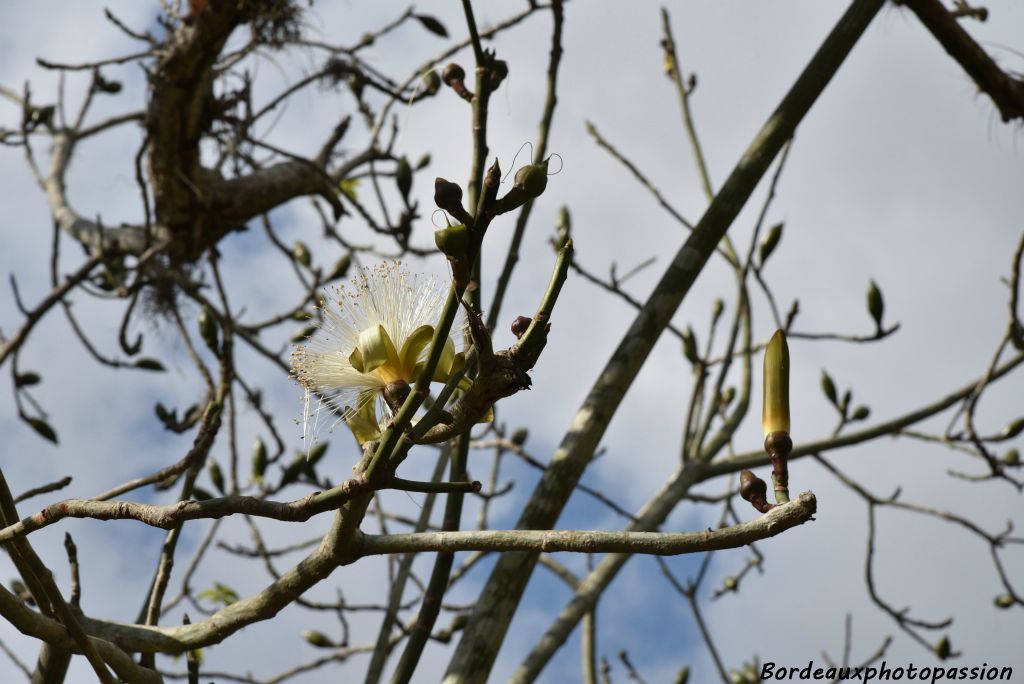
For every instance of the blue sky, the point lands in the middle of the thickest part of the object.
(901, 173)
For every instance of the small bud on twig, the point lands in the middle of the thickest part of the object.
(520, 325)
(754, 490)
(454, 77)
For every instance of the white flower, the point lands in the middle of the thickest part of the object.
(375, 332)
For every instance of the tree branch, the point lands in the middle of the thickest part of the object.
(1006, 92)
(777, 520)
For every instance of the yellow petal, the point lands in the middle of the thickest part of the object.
(363, 421)
(450, 363)
(355, 359)
(377, 349)
(413, 347)
(444, 365)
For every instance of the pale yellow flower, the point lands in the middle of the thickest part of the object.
(375, 332)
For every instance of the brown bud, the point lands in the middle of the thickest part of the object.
(395, 393)
(452, 74)
(520, 325)
(754, 490)
(448, 196)
(497, 73)
(778, 442)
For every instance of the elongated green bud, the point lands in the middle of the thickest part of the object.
(829, 388)
(318, 639)
(216, 476)
(301, 253)
(403, 177)
(690, 346)
(208, 327)
(775, 417)
(259, 460)
(769, 242)
(1013, 429)
(876, 305)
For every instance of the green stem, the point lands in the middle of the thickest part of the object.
(382, 648)
(438, 584)
(512, 256)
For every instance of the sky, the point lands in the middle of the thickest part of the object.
(902, 173)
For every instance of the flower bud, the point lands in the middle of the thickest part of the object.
(751, 485)
(520, 325)
(431, 82)
(27, 379)
(876, 307)
(775, 415)
(754, 490)
(690, 346)
(943, 648)
(303, 334)
(1011, 458)
(497, 73)
(453, 241)
(216, 476)
(403, 177)
(453, 74)
(208, 327)
(259, 460)
(563, 227)
(1013, 429)
(520, 436)
(448, 196)
(829, 388)
(861, 413)
(1004, 601)
(683, 676)
(300, 251)
(533, 179)
(717, 307)
(318, 639)
(769, 242)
